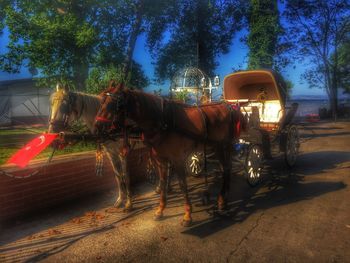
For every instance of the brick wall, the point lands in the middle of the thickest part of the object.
(66, 178)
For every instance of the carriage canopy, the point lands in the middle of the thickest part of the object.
(247, 85)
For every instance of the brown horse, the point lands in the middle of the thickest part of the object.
(173, 130)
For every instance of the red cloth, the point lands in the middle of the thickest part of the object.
(32, 149)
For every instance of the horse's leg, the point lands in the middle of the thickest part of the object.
(187, 219)
(116, 166)
(168, 186)
(162, 172)
(224, 154)
(126, 182)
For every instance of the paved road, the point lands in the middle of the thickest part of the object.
(301, 215)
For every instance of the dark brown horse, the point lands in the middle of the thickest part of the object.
(173, 131)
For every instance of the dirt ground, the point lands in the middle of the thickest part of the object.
(298, 215)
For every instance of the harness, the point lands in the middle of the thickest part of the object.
(167, 123)
(67, 110)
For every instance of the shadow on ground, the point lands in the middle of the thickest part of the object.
(281, 187)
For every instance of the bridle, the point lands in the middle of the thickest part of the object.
(66, 108)
(118, 107)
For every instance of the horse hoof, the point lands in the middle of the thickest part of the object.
(157, 190)
(128, 206)
(221, 204)
(221, 208)
(158, 217)
(186, 223)
(127, 209)
(118, 203)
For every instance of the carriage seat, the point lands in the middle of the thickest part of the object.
(270, 113)
(257, 133)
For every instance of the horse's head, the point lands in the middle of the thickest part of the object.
(63, 109)
(112, 113)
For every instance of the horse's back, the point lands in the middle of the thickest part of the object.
(212, 120)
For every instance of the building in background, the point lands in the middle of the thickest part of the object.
(23, 103)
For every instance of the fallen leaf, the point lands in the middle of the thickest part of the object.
(76, 220)
(30, 237)
(90, 214)
(348, 226)
(52, 232)
(164, 238)
(99, 216)
(112, 210)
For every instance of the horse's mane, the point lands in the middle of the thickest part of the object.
(92, 103)
(154, 102)
(112, 87)
(147, 101)
(89, 98)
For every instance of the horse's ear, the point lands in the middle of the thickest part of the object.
(59, 86)
(66, 88)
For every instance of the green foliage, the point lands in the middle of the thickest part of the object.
(182, 95)
(318, 29)
(64, 39)
(99, 78)
(344, 66)
(203, 30)
(152, 18)
(289, 86)
(3, 6)
(263, 19)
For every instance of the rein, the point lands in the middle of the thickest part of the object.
(167, 123)
(101, 119)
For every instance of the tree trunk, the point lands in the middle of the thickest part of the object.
(80, 75)
(133, 37)
(334, 104)
(331, 87)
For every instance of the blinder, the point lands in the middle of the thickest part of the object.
(66, 108)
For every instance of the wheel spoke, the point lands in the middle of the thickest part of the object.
(254, 165)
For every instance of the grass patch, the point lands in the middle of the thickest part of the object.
(22, 131)
(6, 153)
(11, 140)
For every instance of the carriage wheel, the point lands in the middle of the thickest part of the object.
(254, 165)
(292, 146)
(195, 164)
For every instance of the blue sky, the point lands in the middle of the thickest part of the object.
(235, 58)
